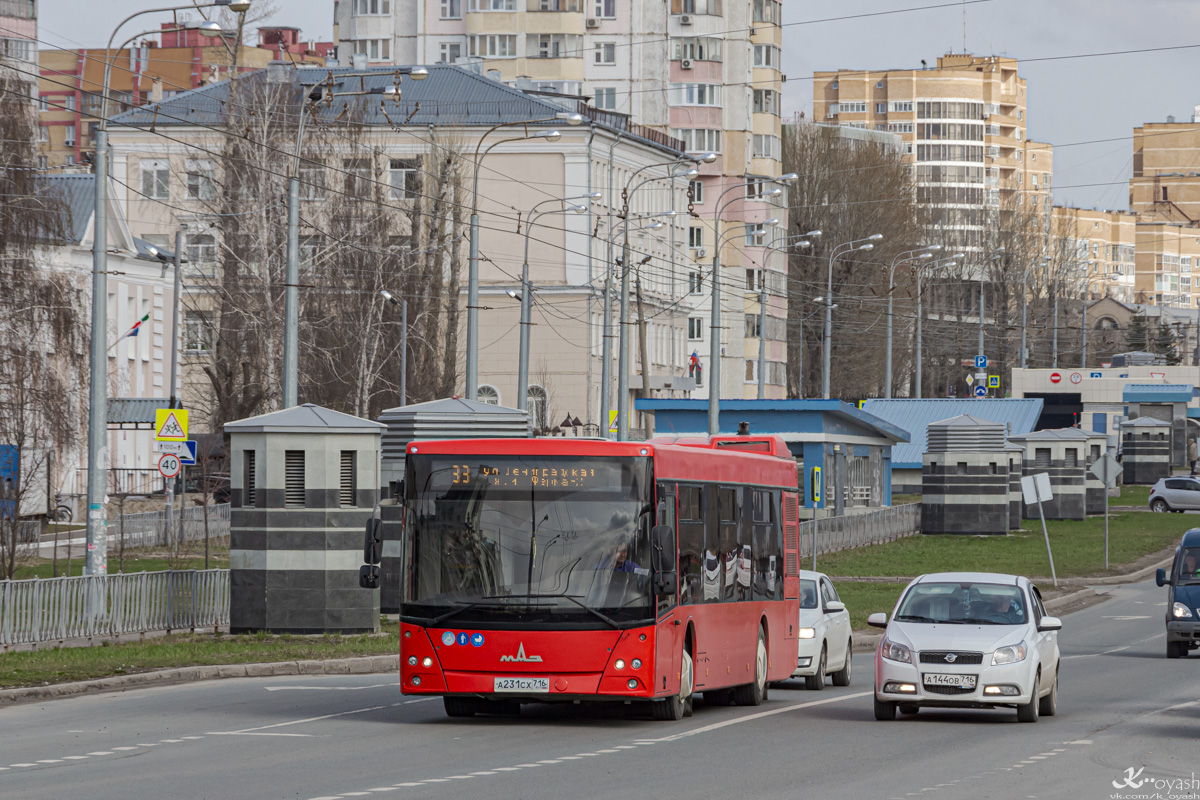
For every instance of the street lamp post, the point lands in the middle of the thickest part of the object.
(800, 240)
(97, 540)
(945, 262)
(909, 256)
(403, 342)
(845, 247)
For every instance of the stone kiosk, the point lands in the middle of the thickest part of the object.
(303, 481)
(965, 477)
(452, 418)
(1016, 499)
(1062, 454)
(1145, 450)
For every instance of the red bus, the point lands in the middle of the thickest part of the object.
(579, 570)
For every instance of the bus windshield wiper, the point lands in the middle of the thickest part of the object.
(575, 599)
(461, 608)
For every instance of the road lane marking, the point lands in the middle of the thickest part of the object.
(253, 733)
(101, 753)
(761, 714)
(124, 748)
(75, 758)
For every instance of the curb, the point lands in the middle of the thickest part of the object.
(339, 666)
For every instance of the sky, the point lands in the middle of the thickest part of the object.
(1071, 100)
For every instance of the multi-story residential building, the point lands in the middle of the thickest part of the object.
(70, 82)
(713, 81)
(1166, 171)
(161, 177)
(965, 131)
(18, 41)
(1104, 249)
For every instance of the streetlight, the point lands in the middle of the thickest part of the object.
(800, 366)
(403, 342)
(845, 247)
(97, 539)
(291, 304)
(945, 262)
(1054, 341)
(909, 256)
(472, 360)
(800, 240)
(527, 294)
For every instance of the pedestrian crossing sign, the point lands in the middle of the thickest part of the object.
(171, 424)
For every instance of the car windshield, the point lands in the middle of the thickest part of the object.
(1189, 565)
(808, 593)
(522, 540)
(965, 603)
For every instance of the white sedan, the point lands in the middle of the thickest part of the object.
(825, 643)
(968, 640)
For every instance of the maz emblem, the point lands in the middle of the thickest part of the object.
(520, 656)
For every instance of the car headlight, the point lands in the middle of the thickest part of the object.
(1009, 655)
(808, 633)
(895, 652)
(1180, 611)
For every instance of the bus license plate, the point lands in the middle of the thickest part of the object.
(521, 685)
(961, 681)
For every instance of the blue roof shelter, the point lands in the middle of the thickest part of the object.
(835, 442)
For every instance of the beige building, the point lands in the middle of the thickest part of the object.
(1104, 245)
(964, 127)
(1166, 171)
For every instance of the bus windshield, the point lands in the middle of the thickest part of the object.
(528, 540)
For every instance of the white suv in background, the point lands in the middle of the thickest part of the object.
(825, 642)
(968, 640)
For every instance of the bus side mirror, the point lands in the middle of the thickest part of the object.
(368, 576)
(1160, 577)
(662, 544)
(372, 544)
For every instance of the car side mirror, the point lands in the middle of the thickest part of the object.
(662, 548)
(368, 576)
(834, 606)
(1160, 577)
(373, 542)
(1050, 624)
(877, 620)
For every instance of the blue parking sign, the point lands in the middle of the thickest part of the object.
(980, 362)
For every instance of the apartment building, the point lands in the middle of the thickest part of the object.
(1105, 245)
(70, 80)
(713, 81)
(1166, 171)
(964, 126)
(18, 40)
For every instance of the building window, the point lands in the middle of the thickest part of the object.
(900, 105)
(43, 133)
(358, 176)
(695, 282)
(312, 182)
(43, 103)
(696, 48)
(536, 404)
(293, 479)
(69, 102)
(347, 483)
(451, 9)
(450, 52)
(201, 185)
(695, 236)
(197, 332)
(753, 326)
(154, 178)
(751, 370)
(489, 394)
(697, 189)
(201, 251)
(766, 101)
(558, 45)
(766, 146)
(881, 108)
(309, 252)
(695, 329)
(373, 7)
(767, 11)
(766, 55)
(404, 178)
(606, 98)
(695, 94)
(492, 46)
(605, 53)
(606, 9)
(374, 49)
(754, 278)
(492, 5)
(699, 140)
(756, 234)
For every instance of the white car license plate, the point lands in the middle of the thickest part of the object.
(940, 679)
(521, 685)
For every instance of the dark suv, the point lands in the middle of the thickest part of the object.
(1183, 596)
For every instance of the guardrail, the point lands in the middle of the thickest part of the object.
(857, 530)
(58, 609)
(158, 529)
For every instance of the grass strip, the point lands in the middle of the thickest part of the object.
(44, 568)
(60, 665)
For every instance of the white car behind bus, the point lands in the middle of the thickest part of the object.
(825, 640)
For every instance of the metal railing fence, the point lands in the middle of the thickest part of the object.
(857, 530)
(57, 609)
(158, 529)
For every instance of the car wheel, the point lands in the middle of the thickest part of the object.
(909, 708)
(1029, 711)
(884, 710)
(842, 676)
(1159, 506)
(460, 706)
(755, 693)
(1048, 706)
(816, 682)
(677, 707)
(1176, 649)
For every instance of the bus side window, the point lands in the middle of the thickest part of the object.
(729, 520)
(691, 544)
(665, 515)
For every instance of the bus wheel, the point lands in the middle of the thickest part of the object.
(460, 706)
(754, 694)
(677, 707)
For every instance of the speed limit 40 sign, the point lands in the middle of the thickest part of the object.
(168, 465)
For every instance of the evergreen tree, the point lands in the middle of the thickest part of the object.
(1137, 335)
(1166, 343)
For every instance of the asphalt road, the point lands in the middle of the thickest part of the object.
(1122, 705)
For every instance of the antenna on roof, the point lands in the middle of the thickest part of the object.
(964, 26)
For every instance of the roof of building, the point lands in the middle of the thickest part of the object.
(449, 96)
(767, 416)
(307, 418)
(78, 193)
(1157, 393)
(1052, 434)
(1145, 422)
(914, 416)
(134, 411)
